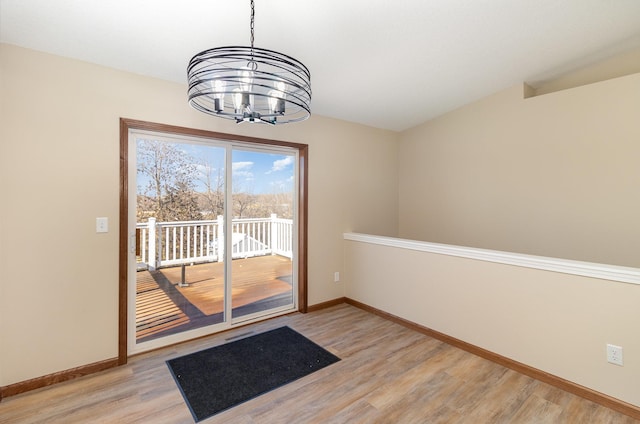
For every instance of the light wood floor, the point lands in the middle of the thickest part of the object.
(388, 374)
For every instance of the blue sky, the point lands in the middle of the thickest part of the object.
(253, 172)
(264, 172)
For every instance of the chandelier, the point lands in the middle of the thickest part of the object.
(249, 84)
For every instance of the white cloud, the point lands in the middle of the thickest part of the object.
(281, 186)
(240, 166)
(281, 164)
(242, 171)
(203, 170)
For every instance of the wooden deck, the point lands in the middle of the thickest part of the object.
(163, 307)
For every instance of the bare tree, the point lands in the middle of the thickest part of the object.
(170, 174)
(242, 205)
(212, 178)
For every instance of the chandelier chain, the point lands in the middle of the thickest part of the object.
(252, 23)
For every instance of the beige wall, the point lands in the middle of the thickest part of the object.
(59, 164)
(554, 175)
(554, 322)
(619, 65)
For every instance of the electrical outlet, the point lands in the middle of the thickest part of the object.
(614, 354)
(336, 277)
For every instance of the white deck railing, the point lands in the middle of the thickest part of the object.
(163, 244)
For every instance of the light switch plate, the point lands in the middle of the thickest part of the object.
(102, 225)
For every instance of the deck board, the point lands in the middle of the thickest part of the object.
(163, 307)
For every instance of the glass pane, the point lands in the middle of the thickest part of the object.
(180, 269)
(263, 187)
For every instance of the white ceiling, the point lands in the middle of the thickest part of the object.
(388, 64)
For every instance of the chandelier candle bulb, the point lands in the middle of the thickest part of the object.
(240, 100)
(218, 96)
(276, 103)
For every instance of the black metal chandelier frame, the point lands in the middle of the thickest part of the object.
(249, 84)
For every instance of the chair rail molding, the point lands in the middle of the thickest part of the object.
(566, 266)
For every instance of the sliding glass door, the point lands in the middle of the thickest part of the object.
(213, 236)
(262, 232)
